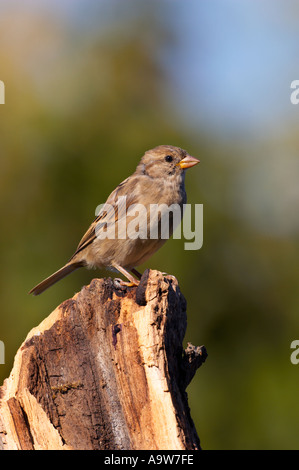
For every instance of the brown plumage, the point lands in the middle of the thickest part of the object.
(159, 179)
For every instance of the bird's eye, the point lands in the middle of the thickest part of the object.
(168, 158)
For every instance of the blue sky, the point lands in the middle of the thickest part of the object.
(237, 60)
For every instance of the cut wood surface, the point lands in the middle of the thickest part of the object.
(105, 370)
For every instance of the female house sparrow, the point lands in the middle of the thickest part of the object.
(159, 179)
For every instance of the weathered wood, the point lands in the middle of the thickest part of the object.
(106, 370)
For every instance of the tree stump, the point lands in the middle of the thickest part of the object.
(106, 370)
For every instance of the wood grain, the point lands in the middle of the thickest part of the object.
(105, 370)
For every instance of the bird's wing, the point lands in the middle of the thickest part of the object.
(114, 208)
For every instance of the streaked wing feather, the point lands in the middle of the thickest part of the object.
(123, 189)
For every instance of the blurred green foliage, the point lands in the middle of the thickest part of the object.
(80, 111)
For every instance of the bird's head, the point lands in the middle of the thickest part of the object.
(165, 161)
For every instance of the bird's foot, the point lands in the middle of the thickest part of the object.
(120, 283)
(132, 280)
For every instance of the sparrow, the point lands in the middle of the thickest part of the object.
(159, 179)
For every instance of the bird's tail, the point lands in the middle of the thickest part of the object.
(61, 273)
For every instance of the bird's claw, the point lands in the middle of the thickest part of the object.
(123, 284)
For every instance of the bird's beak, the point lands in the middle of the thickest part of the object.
(188, 162)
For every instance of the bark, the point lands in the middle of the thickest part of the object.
(106, 370)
